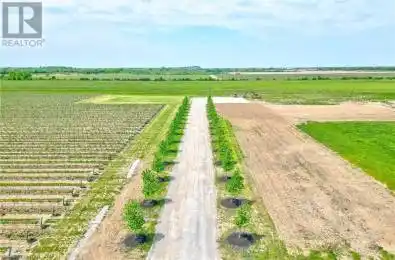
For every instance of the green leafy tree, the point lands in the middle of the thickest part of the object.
(227, 161)
(158, 164)
(164, 146)
(134, 217)
(236, 183)
(151, 183)
(19, 75)
(243, 216)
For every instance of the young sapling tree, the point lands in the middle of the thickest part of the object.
(134, 218)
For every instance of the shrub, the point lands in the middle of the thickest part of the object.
(134, 217)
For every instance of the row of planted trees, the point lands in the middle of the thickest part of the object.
(227, 155)
(155, 180)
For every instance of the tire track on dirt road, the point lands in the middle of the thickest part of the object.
(189, 220)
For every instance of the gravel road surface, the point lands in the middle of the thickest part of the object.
(188, 222)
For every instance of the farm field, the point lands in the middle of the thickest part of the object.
(65, 148)
(132, 99)
(347, 111)
(108, 241)
(368, 145)
(120, 76)
(318, 72)
(304, 92)
(289, 75)
(316, 199)
(53, 152)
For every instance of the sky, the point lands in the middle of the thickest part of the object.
(211, 33)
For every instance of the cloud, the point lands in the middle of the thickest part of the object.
(242, 15)
(253, 17)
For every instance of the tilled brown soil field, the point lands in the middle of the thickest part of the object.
(348, 111)
(315, 198)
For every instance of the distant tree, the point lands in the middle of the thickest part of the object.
(19, 75)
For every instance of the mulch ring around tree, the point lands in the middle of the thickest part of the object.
(164, 179)
(135, 240)
(242, 240)
(150, 203)
(224, 178)
(233, 203)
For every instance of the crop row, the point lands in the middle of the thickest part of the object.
(45, 176)
(37, 198)
(46, 171)
(53, 160)
(60, 156)
(55, 209)
(40, 190)
(40, 165)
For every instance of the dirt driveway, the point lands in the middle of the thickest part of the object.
(189, 220)
(315, 198)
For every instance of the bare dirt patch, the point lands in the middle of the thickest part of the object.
(106, 242)
(315, 198)
(229, 100)
(349, 111)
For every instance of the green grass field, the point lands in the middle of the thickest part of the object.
(308, 92)
(368, 145)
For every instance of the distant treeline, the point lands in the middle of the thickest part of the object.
(147, 79)
(135, 71)
(336, 78)
(27, 77)
(179, 70)
(17, 75)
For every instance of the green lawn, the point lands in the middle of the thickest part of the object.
(312, 92)
(368, 145)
